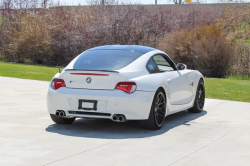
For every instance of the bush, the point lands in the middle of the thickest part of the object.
(30, 43)
(54, 36)
(202, 48)
(242, 59)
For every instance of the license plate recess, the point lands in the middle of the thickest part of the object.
(87, 104)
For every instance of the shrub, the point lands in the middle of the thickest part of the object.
(54, 36)
(242, 59)
(203, 48)
(235, 22)
(30, 43)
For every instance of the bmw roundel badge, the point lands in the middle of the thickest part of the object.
(88, 80)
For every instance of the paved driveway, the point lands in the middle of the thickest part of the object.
(220, 135)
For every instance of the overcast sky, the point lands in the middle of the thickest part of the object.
(85, 2)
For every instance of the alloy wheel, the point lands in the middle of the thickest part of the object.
(201, 96)
(160, 110)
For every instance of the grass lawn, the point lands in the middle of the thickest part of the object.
(33, 72)
(239, 77)
(226, 89)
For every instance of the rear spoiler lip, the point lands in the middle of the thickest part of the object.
(90, 74)
(113, 71)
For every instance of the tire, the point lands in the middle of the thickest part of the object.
(157, 112)
(199, 98)
(60, 120)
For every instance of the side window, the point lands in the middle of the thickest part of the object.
(151, 66)
(163, 64)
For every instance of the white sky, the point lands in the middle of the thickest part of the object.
(85, 2)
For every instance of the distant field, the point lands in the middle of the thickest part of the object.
(226, 89)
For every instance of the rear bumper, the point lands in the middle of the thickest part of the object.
(135, 106)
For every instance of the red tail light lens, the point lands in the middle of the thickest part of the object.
(57, 83)
(128, 87)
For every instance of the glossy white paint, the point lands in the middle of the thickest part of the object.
(133, 106)
(179, 86)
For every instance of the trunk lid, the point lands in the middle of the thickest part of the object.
(91, 79)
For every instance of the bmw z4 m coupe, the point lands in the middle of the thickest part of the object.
(124, 82)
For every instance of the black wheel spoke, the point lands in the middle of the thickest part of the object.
(156, 116)
(161, 113)
(161, 103)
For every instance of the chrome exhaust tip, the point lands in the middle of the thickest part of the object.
(60, 113)
(114, 118)
(57, 113)
(121, 118)
(118, 118)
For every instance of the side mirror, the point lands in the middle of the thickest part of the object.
(181, 66)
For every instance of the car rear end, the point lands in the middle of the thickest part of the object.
(92, 87)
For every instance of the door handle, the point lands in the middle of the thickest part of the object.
(192, 84)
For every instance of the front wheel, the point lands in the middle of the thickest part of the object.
(157, 112)
(61, 120)
(199, 98)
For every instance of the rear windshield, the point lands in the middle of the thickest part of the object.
(105, 59)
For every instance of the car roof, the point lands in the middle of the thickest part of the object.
(136, 48)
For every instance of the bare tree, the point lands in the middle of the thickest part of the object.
(177, 1)
(44, 3)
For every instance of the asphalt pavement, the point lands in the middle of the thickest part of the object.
(219, 136)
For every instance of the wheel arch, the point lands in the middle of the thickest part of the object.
(161, 88)
(202, 78)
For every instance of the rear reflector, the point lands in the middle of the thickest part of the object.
(57, 83)
(90, 74)
(128, 87)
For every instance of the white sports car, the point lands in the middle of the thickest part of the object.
(124, 82)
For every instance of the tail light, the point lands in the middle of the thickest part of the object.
(128, 87)
(57, 83)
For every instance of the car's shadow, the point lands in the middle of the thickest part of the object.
(107, 129)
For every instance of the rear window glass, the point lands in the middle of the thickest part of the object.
(105, 59)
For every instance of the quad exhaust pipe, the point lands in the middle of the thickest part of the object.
(115, 117)
(60, 113)
(118, 118)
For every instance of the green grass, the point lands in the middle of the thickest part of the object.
(248, 41)
(33, 72)
(226, 89)
(239, 77)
